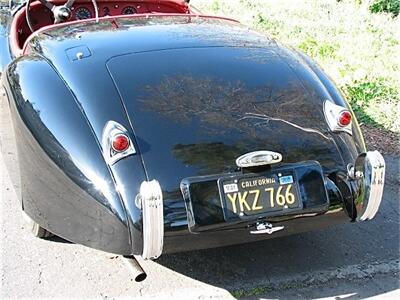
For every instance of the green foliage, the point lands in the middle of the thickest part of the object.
(252, 292)
(389, 6)
(314, 48)
(375, 103)
(363, 93)
(264, 23)
(215, 6)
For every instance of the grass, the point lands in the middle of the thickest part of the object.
(358, 49)
(252, 292)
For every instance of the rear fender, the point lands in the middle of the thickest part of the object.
(66, 185)
(354, 143)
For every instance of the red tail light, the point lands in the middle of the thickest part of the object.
(344, 118)
(120, 143)
(116, 143)
(338, 117)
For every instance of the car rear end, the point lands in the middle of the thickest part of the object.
(212, 134)
(245, 143)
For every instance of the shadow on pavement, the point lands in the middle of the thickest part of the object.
(57, 239)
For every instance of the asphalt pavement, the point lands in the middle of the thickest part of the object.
(348, 261)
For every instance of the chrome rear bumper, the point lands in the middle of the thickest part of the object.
(369, 170)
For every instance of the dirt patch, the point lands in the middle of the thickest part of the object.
(385, 141)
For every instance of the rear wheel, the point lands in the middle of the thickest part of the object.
(37, 230)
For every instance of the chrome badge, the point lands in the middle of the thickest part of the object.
(265, 227)
(258, 158)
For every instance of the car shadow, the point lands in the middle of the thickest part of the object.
(57, 239)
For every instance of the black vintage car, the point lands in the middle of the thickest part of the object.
(144, 127)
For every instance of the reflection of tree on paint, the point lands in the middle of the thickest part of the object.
(251, 118)
(219, 105)
(202, 31)
(210, 158)
(126, 23)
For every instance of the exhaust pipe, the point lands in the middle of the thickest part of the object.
(137, 271)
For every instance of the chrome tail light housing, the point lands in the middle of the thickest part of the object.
(116, 143)
(338, 118)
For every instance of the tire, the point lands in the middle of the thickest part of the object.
(37, 230)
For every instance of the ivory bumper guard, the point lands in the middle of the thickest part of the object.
(369, 169)
(150, 199)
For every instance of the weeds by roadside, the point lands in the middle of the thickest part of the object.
(390, 6)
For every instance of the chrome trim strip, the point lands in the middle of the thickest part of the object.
(151, 199)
